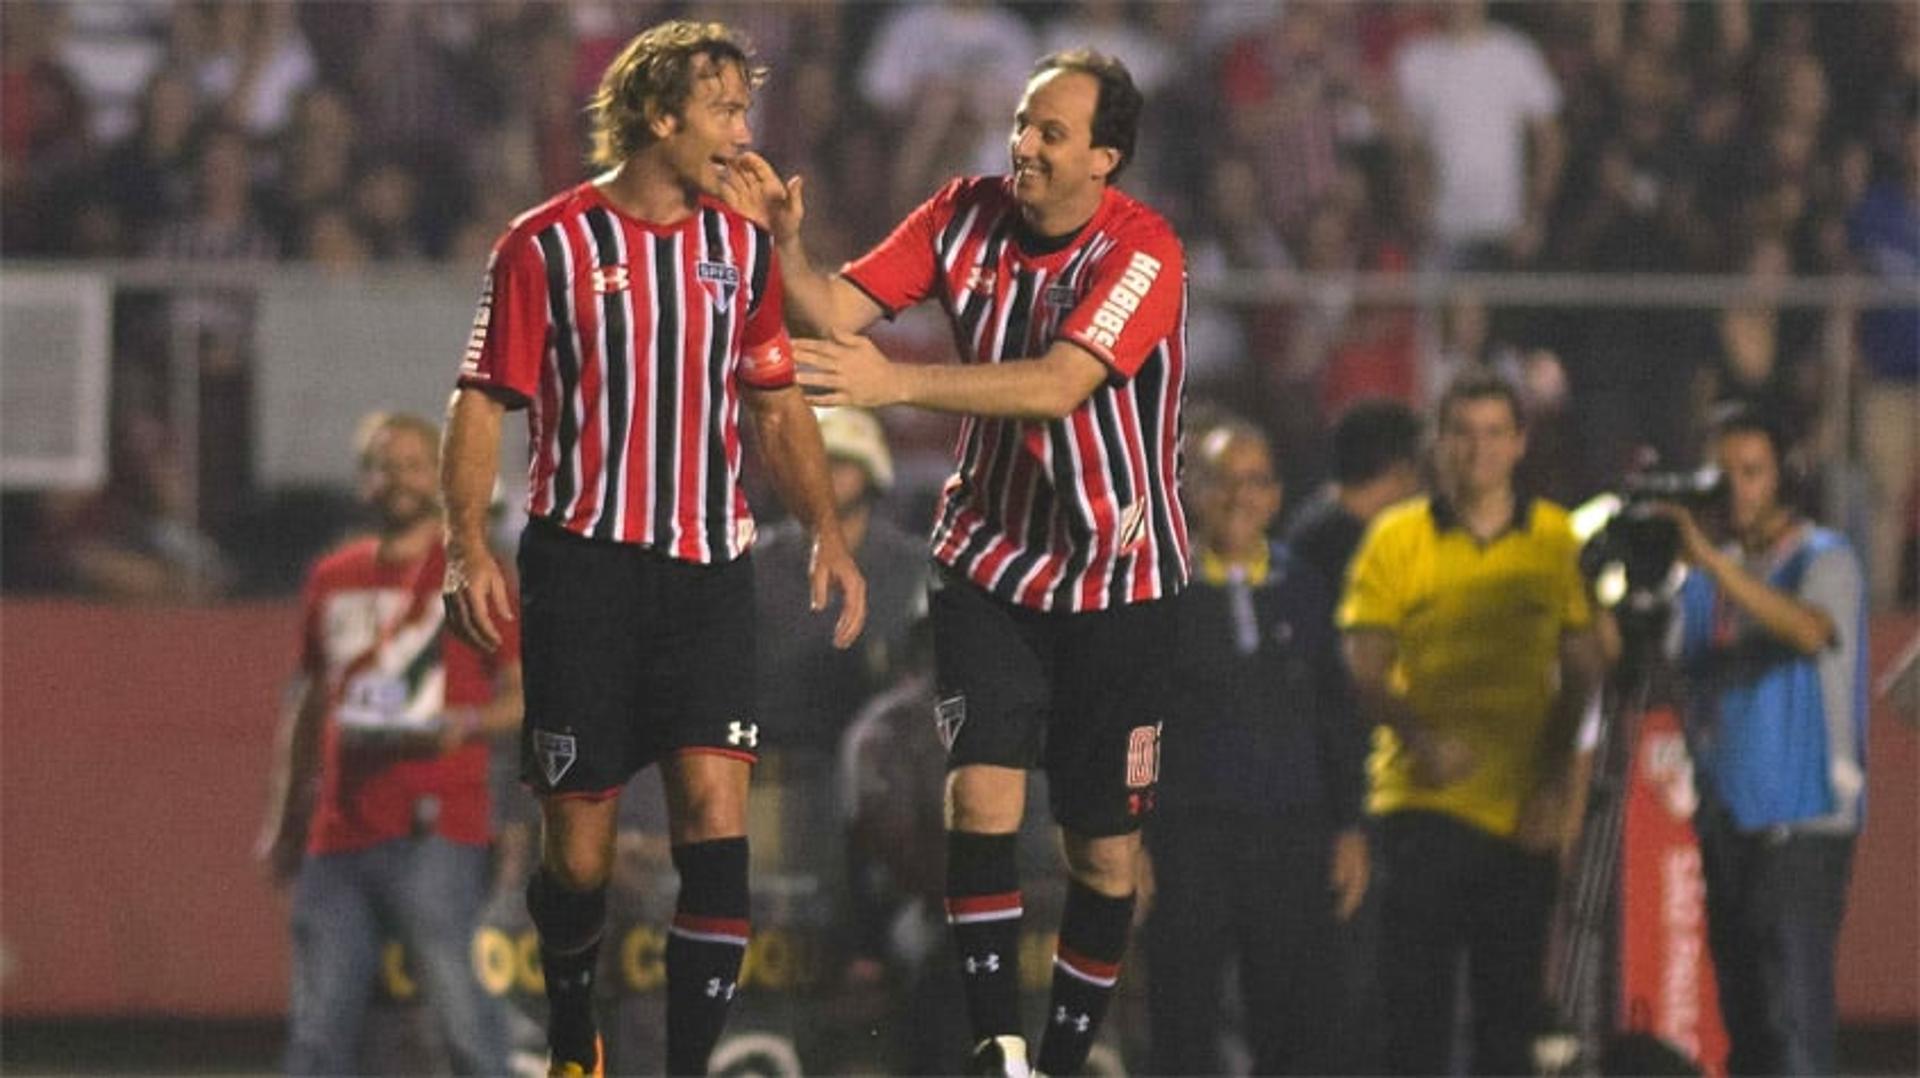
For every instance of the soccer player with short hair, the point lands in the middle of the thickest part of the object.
(632, 316)
(1060, 537)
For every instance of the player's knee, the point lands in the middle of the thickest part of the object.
(1106, 864)
(578, 866)
(985, 800)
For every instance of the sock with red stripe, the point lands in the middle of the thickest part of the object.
(570, 924)
(1093, 940)
(704, 948)
(983, 909)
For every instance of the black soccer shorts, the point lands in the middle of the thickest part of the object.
(629, 655)
(1081, 695)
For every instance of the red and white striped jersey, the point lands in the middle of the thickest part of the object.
(628, 342)
(1083, 512)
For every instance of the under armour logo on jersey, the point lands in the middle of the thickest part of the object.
(719, 989)
(611, 279)
(743, 733)
(1080, 1022)
(990, 963)
(981, 279)
(720, 280)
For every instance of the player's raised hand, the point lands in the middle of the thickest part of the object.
(756, 191)
(475, 594)
(833, 569)
(845, 369)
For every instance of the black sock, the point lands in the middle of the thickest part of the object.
(704, 948)
(570, 923)
(1093, 940)
(983, 908)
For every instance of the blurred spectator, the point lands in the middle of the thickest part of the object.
(1885, 230)
(378, 809)
(136, 538)
(148, 177)
(1470, 340)
(1376, 462)
(1287, 88)
(1257, 851)
(1233, 239)
(43, 130)
(1484, 105)
(946, 74)
(1109, 26)
(315, 157)
(808, 688)
(249, 61)
(386, 210)
(224, 222)
(112, 51)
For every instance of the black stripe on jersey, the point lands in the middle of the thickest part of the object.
(1013, 343)
(1151, 388)
(719, 347)
(666, 390)
(1041, 508)
(1120, 489)
(980, 303)
(614, 332)
(1005, 445)
(1106, 423)
(553, 248)
(762, 267)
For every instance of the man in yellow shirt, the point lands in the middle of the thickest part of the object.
(1471, 644)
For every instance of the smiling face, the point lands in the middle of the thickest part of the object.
(1057, 170)
(700, 142)
(1237, 495)
(400, 477)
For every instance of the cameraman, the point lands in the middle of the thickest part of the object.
(1770, 636)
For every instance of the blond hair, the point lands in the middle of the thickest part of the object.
(366, 436)
(654, 76)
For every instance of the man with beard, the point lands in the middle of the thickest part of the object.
(379, 809)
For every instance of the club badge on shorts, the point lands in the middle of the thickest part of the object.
(556, 753)
(948, 717)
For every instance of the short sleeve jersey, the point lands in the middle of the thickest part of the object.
(1082, 512)
(372, 636)
(628, 343)
(1478, 628)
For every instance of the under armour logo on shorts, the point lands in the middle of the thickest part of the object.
(743, 733)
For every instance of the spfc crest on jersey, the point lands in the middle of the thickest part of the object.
(720, 280)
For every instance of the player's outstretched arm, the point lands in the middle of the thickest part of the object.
(789, 440)
(475, 590)
(816, 302)
(851, 369)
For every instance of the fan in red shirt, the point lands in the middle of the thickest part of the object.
(1060, 533)
(632, 317)
(379, 807)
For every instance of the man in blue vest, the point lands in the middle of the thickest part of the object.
(1772, 641)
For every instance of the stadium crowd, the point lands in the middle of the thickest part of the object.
(1766, 140)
